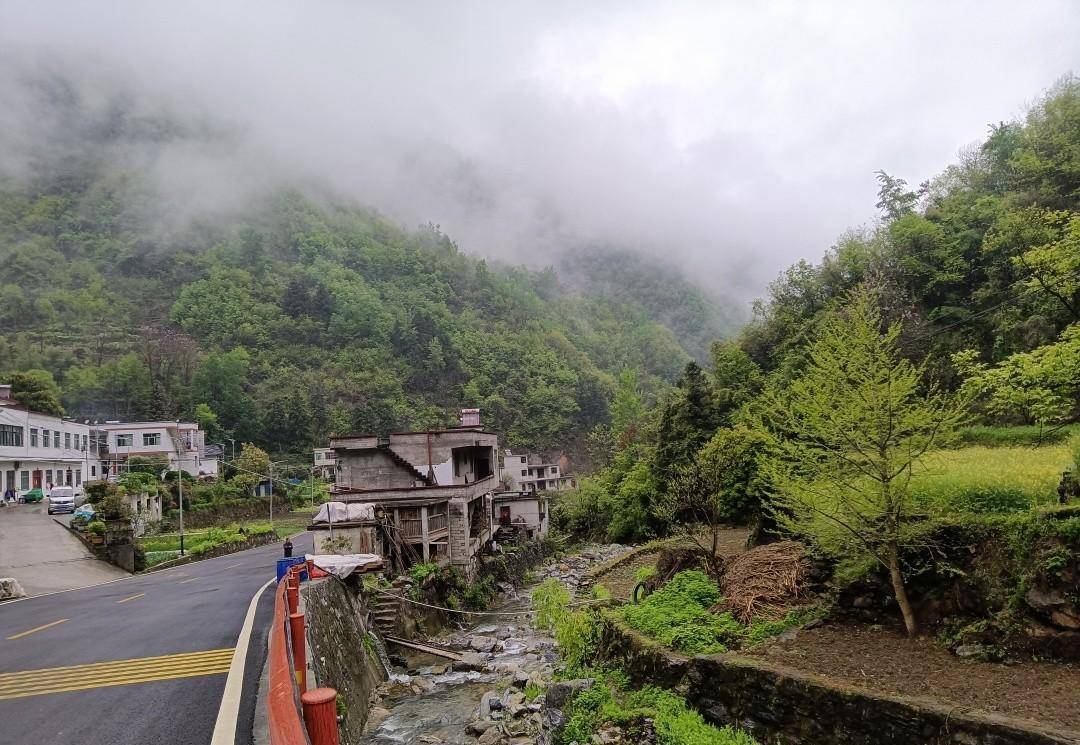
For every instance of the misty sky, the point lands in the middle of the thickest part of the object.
(730, 137)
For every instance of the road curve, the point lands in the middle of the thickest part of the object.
(139, 660)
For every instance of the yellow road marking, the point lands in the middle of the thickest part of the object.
(185, 581)
(129, 663)
(131, 597)
(35, 630)
(114, 673)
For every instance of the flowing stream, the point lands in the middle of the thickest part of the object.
(429, 701)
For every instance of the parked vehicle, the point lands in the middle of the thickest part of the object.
(34, 495)
(61, 499)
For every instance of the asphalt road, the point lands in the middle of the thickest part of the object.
(43, 556)
(195, 611)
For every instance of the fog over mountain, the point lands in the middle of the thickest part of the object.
(728, 139)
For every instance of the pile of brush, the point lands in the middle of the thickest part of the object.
(765, 582)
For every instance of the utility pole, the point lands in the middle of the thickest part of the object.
(180, 485)
(271, 495)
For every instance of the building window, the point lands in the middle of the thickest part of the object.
(48, 476)
(11, 436)
(67, 441)
(78, 477)
(84, 443)
(93, 471)
(56, 439)
(33, 437)
(318, 456)
(151, 439)
(24, 480)
(125, 440)
(524, 473)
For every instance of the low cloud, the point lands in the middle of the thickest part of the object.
(729, 139)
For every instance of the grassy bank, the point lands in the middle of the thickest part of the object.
(990, 479)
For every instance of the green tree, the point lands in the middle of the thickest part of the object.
(222, 382)
(36, 390)
(252, 466)
(847, 435)
(894, 198)
(689, 419)
(626, 407)
(207, 421)
(722, 486)
(1036, 387)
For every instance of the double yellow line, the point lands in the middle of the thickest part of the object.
(114, 673)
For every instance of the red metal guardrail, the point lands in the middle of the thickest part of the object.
(282, 698)
(287, 697)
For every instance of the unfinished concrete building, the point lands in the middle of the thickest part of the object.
(432, 489)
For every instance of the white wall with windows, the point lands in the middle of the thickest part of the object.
(39, 451)
(182, 443)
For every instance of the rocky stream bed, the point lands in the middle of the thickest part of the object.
(490, 696)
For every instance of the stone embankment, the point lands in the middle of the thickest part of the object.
(780, 705)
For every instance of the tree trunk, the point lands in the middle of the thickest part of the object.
(900, 591)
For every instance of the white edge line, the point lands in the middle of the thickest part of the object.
(225, 726)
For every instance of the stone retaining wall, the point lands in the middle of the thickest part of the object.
(646, 661)
(782, 706)
(512, 567)
(337, 618)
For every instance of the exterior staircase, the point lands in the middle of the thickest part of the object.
(385, 447)
(387, 613)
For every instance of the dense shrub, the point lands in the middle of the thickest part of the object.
(678, 616)
(610, 700)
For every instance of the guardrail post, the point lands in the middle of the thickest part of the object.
(292, 592)
(320, 715)
(299, 647)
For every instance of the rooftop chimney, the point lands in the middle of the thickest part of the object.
(470, 417)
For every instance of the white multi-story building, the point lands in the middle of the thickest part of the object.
(531, 473)
(39, 451)
(183, 443)
(325, 463)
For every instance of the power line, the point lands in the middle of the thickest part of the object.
(991, 309)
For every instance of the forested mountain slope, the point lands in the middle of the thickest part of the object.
(986, 256)
(298, 317)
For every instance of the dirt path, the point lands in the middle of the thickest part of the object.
(888, 661)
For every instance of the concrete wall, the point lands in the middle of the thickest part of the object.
(363, 465)
(372, 469)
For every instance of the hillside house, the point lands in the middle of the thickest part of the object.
(39, 450)
(433, 489)
(532, 473)
(324, 463)
(182, 443)
(521, 514)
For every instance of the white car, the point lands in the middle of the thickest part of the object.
(61, 499)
